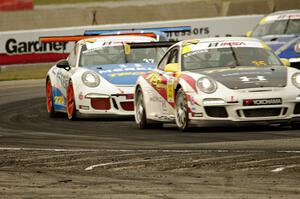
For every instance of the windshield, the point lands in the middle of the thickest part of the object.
(116, 55)
(235, 56)
(291, 26)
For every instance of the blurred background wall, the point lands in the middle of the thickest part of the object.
(32, 16)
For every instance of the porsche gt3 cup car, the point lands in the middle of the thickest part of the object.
(218, 81)
(281, 31)
(99, 75)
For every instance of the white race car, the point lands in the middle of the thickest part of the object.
(99, 75)
(218, 81)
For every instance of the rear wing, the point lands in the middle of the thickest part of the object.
(80, 37)
(141, 30)
(156, 33)
(155, 44)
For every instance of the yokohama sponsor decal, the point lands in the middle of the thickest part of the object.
(257, 102)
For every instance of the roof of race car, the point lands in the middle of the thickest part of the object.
(281, 15)
(285, 12)
(218, 39)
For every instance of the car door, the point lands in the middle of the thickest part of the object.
(163, 99)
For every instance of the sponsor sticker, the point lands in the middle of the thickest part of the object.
(258, 102)
(127, 49)
(170, 90)
(122, 74)
(90, 40)
(186, 49)
(258, 78)
(59, 100)
(272, 18)
(164, 107)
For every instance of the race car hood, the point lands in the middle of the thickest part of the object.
(277, 41)
(242, 77)
(122, 74)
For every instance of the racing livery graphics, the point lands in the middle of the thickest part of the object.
(99, 75)
(281, 31)
(218, 81)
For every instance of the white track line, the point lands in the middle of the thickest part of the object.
(289, 151)
(145, 150)
(133, 150)
(122, 162)
(279, 169)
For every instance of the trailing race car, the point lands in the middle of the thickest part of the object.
(100, 73)
(218, 81)
(281, 31)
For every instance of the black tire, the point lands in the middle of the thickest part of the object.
(295, 126)
(140, 112)
(49, 100)
(181, 111)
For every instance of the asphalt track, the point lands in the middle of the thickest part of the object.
(42, 157)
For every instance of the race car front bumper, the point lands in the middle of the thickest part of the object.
(238, 110)
(103, 104)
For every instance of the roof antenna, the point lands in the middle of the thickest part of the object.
(94, 22)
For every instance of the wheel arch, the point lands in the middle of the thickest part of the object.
(72, 80)
(178, 86)
(185, 86)
(51, 78)
(138, 86)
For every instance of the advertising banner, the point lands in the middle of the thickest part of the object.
(14, 5)
(22, 47)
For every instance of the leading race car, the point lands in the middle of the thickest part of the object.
(281, 31)
(100, 73)
(218, 81)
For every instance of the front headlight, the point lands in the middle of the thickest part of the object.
(297, 47)
(296, 79)
(207, 85)
(90, 79)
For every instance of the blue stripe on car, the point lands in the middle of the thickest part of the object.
(122, 74)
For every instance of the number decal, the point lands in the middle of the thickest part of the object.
(259, 63)
(58, 100)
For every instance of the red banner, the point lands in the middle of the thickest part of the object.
(14, 5)
(6, 59)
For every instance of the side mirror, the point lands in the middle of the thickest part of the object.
(63, 64)
(172, 67)
(249, 34)
(285, 62)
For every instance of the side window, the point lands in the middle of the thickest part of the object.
(164, 61)
(173, 58)
(73, 56)
(170, 57)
